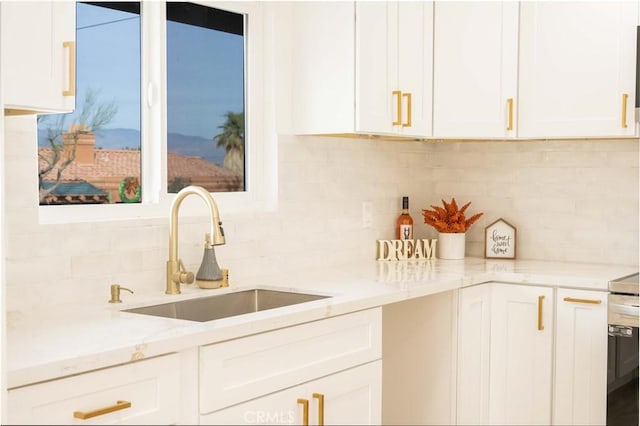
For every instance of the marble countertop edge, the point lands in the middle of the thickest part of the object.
(86, 338)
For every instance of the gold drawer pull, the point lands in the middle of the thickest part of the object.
(71, 90)
(320, 398)
(574, 300)
(540, 324)
(120, 405)
(305, 411)
(625, 96)
(408, 96)
(510, 106)
(398, 95)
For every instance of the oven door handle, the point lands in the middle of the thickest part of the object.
(628, 310)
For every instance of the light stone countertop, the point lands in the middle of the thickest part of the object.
(45, 344)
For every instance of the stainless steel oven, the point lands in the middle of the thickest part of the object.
(622, 360)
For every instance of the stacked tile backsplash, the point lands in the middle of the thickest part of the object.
(569, 200)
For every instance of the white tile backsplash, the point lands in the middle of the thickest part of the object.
(570, 200)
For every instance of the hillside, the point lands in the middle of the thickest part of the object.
(130, 139)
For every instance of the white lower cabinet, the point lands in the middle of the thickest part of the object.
(349, 397)
(517, 365)
(521, 354)
(143, 392)
(261, 378)
(474, 341)
(580, 393)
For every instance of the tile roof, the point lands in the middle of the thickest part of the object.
(74, 188)
(110, 166)
(110, 163)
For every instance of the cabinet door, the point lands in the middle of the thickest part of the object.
(415, 67)
(475, 69)
(377, 106)
(38, 56)
(474, 355)
(577, 63)
(323, 76)
(353, 397)
(277, 408)
(241, 369)
(521, 354)
(144, 392)
(580, 392)
(350, 397)
(394, 44)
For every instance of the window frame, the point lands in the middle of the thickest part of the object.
(260, 144)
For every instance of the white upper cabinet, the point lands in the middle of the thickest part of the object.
(577, 69)
(394, 44)
(475, 69)
(368, 72)
(38, 73)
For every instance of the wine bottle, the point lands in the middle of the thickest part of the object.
(404, 224)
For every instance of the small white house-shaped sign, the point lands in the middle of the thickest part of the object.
(500, 240)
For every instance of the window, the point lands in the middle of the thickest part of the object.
(168, 33)
(92, 156)
(205, 98)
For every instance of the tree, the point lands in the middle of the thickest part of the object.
(232, 140)
(92, 118)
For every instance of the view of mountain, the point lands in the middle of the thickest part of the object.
(130, 139)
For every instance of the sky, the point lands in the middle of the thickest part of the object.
(204, 70)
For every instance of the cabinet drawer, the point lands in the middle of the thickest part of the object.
(242, 369)
(151, 386)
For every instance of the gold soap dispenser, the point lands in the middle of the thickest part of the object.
(115, 293)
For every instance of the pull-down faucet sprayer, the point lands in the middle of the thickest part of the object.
(176, 272)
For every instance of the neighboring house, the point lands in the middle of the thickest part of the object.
(79, 192)
(96, 174)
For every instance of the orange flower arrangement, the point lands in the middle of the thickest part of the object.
(449, 219)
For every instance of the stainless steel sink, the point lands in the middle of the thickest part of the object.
(226, 305)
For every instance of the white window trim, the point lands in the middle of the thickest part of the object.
(261, 150)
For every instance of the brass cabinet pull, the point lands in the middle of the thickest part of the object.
(540, 325)
(510, 118)
(320, 398)
(408, 96)
(305, 411)
(398, 95)
(119, 405)
(71, 90)
(575, 300)
(625, 96)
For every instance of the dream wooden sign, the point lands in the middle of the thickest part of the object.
(406, 249)
(500, 240)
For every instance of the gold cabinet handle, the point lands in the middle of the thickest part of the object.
(576, 300)
(625, 97)
(305, 411)
(119, 405)
(408, 96)
(398, 95)
(540, 325)
(320, 398)
(510, 118)
(71, 90)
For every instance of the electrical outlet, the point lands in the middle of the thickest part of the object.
(367, 214)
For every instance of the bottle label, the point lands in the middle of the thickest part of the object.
(406, 232)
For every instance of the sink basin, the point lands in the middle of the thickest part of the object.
(226, 305)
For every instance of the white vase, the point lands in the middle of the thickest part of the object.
(451, 245)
